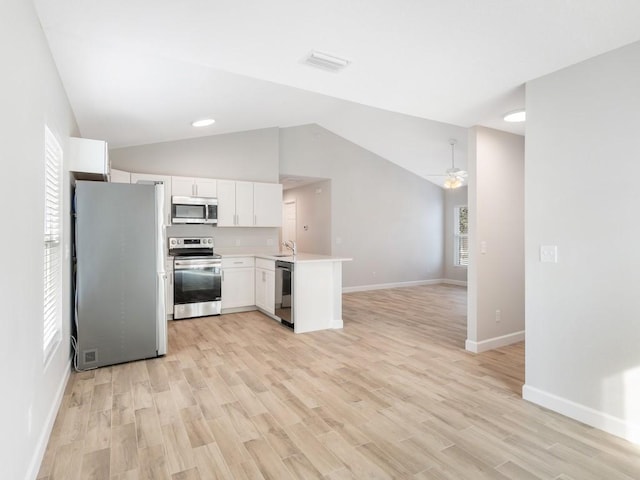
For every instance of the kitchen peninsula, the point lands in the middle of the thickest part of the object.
(317, 286)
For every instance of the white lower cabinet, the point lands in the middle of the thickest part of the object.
(238, 282)
(169, 288)
(265, 285)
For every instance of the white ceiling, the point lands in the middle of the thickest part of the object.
(139, 71)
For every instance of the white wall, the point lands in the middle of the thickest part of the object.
(496, 239)
(456, 197)
(313, 216)
(31, 95)
(251, 156)
(388, 219)
(582, 313)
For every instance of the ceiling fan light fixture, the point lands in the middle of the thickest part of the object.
(205, 122)
(452, 182)
(516, 116)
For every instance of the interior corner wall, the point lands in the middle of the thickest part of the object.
(251, 156)
(31, 95)
(457, 197)
(313, 216)
(582, 313)
(389, 220)
(495, 285)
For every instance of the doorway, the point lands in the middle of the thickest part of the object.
(289, 221)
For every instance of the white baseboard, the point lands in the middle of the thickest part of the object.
(460, 283)
(384, 286)
(496, 342)
(595, 418)
(41, 446)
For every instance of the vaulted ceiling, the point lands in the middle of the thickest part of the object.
(421, 72)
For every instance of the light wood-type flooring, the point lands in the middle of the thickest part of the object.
(392, 395)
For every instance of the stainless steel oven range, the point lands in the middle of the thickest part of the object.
(197, 277)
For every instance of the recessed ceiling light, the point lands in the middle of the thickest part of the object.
(325, 61)
(205, 122)
(515, 116)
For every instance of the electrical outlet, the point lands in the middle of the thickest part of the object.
(269, 242)
(498, 316)
(237, 242)
(338, 240)
(548, 253)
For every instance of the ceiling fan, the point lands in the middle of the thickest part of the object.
(455, 177)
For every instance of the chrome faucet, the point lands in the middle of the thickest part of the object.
(291, 245)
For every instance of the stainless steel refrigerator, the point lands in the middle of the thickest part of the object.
(119, 273)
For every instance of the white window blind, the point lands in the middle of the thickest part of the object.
(461, 236)
(52, 243)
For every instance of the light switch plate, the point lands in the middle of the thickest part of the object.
(549, 253)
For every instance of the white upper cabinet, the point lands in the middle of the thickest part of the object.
(267, 204)
(248, 204)
(150, 178)
(235, 204)
(89, 159)
(194, 187)
(226, 203)
(120, 176)
(244, 204)
(182, 186)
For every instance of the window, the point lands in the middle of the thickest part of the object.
(461, 236)
(52, 327)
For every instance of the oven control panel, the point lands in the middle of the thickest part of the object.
(179, 245)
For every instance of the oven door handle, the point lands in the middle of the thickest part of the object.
(200, 266)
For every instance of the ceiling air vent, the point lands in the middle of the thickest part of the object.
(325, 61)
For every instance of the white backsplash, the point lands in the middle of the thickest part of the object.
(232, 239)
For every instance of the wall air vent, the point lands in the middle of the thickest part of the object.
(325, 61)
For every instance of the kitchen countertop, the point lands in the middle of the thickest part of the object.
(284, 256)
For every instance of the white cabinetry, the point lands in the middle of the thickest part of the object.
(120, 176)
(238, 283)
(169, 288)
(166, 180)
(267, 204)
(194, 187)
(235, 204)
(89, 159)
(265, 285)
(248, 204)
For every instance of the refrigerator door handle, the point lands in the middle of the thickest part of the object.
(161, 307)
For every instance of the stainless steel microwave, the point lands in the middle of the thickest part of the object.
(194, 210)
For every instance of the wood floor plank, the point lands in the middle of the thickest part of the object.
(98, 436)
(392, 395)
(148, 430)
(178, 448)
(210, 462)
(95, 465)
(124, 448)
(152, 463)
(267, 461)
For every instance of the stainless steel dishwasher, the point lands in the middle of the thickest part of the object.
(284, 293)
